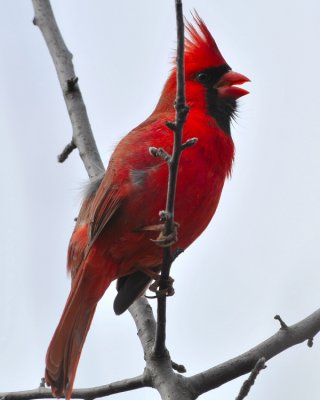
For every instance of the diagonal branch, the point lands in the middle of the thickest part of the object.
(157, 374)
(238, 366)
(82, 137)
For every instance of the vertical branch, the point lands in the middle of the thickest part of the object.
(168, 215)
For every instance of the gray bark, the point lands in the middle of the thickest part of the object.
(62, 58)
(158, 373)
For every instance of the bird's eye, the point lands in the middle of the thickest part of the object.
(203, 77)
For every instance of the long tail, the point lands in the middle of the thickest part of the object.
(65, 347)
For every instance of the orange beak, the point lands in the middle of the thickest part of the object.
(225, 85)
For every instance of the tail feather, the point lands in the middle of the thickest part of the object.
(64, 353)
(65, 347)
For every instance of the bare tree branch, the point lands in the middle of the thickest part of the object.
(158, 372)
(142, 315)
(170, 385)
(173, 162)
(174, 386)
(89, 393)
(82, 136)
(238, 366)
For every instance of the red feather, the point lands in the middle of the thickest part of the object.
(112, 235)
(201, 50)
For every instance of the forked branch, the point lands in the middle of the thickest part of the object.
(157, 374)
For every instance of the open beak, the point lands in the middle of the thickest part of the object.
(226, 87)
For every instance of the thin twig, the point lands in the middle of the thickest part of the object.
(177, 128)
(310, 342)
(66, 152)
(248, 383)
(178, 367)
(283, 325)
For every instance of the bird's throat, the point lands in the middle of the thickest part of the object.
(222, 110)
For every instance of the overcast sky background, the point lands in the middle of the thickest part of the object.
(259, 257)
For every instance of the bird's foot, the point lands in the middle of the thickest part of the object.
(168, 290)
(161, 287)
(164, 240)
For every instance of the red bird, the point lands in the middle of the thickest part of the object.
(111, 239)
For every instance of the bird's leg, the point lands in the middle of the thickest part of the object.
(163, 240)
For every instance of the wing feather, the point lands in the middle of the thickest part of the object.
(104, 205)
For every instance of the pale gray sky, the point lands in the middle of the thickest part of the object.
(259, 257)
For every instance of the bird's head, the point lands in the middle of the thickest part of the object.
(210, 82)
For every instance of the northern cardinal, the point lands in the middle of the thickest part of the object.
(119, 214)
